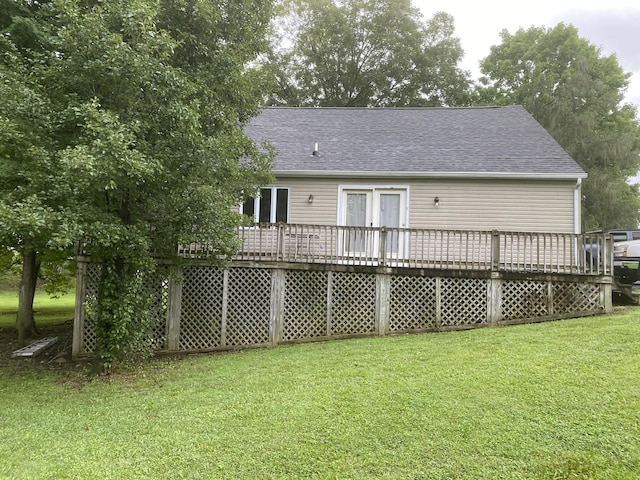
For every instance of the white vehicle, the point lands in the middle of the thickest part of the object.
(626, 259)
(617, 234)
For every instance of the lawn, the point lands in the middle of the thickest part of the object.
(47, 310)
(557, 400)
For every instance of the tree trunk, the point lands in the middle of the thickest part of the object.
(25, 323)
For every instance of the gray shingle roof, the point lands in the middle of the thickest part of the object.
(486, 141)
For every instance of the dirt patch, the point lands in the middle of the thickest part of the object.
(56, 357)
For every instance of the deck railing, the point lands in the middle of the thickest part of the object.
(588, 254)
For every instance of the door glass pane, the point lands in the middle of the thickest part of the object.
(356, 216)
(390, 217)
(356, 209)
(389, 210)
(265, 205)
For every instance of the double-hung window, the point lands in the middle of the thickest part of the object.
(271, 206)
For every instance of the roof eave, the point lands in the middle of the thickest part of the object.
(484, 175)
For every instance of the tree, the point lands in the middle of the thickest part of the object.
(147, 100)
(34, 217)
(365, 53)
(576, 93)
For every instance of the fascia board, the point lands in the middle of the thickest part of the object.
(459, 175)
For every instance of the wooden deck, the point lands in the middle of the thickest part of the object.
(297, 283)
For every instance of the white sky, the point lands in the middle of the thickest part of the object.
(612, 25)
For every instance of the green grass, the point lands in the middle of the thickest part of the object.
(558, 400)
(47, 310)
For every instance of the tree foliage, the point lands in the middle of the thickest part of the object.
(577, 94)
(34, 210)
(365, 53)
(145, 101)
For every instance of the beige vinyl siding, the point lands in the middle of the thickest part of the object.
(324, 208)
(482, 204)
(515, 205)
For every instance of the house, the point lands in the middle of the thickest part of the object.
(481, 168)
(481, 209)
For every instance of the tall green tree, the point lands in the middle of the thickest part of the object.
(146, 102)
(577, 94)
(365, 53)
(34, 214)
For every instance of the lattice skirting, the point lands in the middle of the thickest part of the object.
(305, 305)
(530, 300)
(201, 308)
(413, 304)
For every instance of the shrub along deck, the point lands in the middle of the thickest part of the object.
(293, 283)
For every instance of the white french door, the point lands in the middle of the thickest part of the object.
(373, 207)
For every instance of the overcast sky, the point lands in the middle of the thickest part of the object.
(612, 25)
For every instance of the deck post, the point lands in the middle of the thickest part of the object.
(383, 298)
(329, 296)
(607, 254)
(494, 299)
(382, 251)
(606, 297)
(280, 243)
(276, 313)
(438, 319)
(174, 307)
(79, 313)
(225, 307)
(495, 251)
